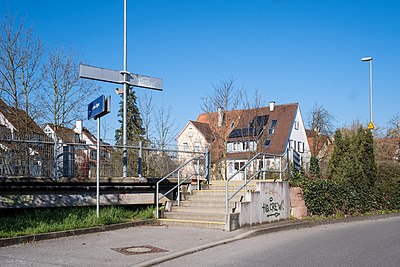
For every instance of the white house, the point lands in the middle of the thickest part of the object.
(236, 136)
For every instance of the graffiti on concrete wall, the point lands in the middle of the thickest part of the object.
(274, 205)
(273, 208)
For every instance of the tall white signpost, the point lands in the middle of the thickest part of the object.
(96, 109)
(121, 77)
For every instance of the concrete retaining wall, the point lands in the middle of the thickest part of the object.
(270, 202)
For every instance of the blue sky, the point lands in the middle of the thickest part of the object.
(290, 51)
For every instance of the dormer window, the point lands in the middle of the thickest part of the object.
(190, 132)
(77, 139)
(232, 125)
(267, 143)
(272, 127)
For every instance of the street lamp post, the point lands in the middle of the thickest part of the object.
(366, 59)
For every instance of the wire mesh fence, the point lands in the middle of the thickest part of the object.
(41, 156)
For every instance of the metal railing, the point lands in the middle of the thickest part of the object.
(281, 170)
(180, 182)
(40, 156)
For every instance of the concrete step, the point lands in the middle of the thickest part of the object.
(232, 186)
(194, 223)
(195, 216)
(205, 204)
(201, 210)
(201, 197)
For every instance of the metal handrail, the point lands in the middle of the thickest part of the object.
(179, 182)
(247, 181)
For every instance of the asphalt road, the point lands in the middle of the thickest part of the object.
(365, 243)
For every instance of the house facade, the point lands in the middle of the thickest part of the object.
(239, 135)
(19, 157)
(76, 150)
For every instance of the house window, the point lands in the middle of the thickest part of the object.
(300, 147)
(230, 147)
(272, 127)
(294, 145)
(197, 146)
(77, 139)
(190, 132)
(185, 146)
(232, 125)
(239, 165)
(246, 145)
(253, 146)
(296, 125)
(267, 143)
(260, 164)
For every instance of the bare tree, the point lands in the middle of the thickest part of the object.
(393, 130)
(165, 126)
(320, 120)
(224, 95)
(146, 108)
(224, 98)
(65, 95)
(20, 58)
(255, 101)
(105, 127)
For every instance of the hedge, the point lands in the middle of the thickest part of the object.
(325, 197)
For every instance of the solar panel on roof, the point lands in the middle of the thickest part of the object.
(252, 130)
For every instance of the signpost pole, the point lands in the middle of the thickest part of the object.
(98, 170)
(125, 73)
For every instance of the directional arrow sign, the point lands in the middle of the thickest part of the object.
(114, 76)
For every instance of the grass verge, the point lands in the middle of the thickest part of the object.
(38, 221)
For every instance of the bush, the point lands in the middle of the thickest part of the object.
(325, 197)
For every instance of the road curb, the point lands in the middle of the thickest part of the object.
(39, 237)
(263, 229)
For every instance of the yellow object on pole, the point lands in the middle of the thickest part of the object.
(371, 126)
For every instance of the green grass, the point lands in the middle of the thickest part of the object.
(36, 221)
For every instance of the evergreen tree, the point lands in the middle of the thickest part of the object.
(353, 158)
(368, 157)
(134, 123)
(314, 167)
(339, 152)
(134, 133)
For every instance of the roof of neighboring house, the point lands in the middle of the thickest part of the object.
(205, 130)
(65, 133)
(260, 120)
(19, 119)
(316, 141)
(253, 124)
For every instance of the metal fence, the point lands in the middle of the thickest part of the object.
(41, 156)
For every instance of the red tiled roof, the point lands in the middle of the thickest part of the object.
(318, 140)
(21, 121)
(284, 114)
(205, 130)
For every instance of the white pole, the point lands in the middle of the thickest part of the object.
(98, 170)
(125, 154)
(370, 90)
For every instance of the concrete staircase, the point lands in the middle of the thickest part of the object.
(206, 207)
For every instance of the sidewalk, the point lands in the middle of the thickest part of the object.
(136, 246)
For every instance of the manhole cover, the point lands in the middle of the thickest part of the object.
(134, 250)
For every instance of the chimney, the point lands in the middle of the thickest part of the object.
(220, 116)
(271, 106)
(79, 127)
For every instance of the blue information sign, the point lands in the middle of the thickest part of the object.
(97, 108)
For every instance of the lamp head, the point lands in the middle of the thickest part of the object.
(364, 59)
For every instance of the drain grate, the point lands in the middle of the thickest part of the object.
(135, 250)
